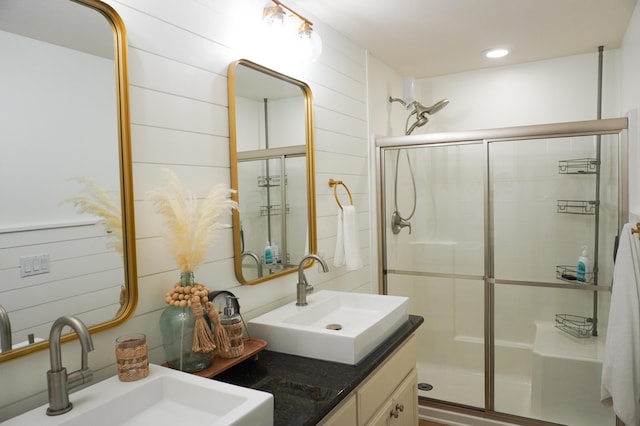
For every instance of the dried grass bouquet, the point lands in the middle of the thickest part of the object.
(95, 200)
(191, 226)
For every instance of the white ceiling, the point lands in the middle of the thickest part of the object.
(425, 38)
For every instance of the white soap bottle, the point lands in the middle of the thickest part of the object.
(583, 268)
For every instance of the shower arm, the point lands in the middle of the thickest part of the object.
(404, 104)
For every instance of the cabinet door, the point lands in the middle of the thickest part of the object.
(404, 410)
(383, 415)
(378, 388)
(343, 414)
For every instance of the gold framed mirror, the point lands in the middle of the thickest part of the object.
(66, 125)
(272, 171)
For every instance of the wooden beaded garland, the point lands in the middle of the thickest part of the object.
(182, 296)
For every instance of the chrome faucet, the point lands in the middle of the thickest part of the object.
(5, 331)
(303, 287)
(256, 258)
(59, 383)
(397, 223)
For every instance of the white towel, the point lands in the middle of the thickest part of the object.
(621, 363)
(347, 244)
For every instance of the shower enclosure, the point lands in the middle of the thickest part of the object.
(512, 330)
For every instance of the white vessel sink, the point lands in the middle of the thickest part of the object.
(165, 397)
(335, 326)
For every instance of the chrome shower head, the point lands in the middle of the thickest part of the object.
(421, 109)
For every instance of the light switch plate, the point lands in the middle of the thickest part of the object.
(34, 265)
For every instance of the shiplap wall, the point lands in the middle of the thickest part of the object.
(85, 278)
(179, 51)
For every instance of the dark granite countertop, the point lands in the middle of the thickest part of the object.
(305, 389)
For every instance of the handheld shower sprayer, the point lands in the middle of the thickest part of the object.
(421, 114)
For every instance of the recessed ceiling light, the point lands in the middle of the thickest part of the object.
(496, 53)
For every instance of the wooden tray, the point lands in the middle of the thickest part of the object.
(251, 349)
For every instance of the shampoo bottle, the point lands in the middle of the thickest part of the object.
(268, 254)
(583, 269)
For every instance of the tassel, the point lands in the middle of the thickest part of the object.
(203, 340)
(219, 334)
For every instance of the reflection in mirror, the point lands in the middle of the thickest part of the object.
(272, 170)
(65, 169)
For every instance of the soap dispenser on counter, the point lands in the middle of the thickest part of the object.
(232, 324)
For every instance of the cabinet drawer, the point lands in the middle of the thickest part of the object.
(374, 392)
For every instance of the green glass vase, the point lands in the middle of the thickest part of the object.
(177, 326)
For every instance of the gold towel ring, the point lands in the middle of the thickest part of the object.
(636, 230)
(334, 184)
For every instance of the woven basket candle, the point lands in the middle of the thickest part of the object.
(132, 360)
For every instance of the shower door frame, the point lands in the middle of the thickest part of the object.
(485, 137)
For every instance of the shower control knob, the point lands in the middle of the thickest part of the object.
(397, 223)
(400, 407)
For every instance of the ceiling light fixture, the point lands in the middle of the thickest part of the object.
(307, 42)
(497, 53)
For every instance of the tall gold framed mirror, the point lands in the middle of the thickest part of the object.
(272, 171)
(67, 244)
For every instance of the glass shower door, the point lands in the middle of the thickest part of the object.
(549, 198)
(439, 262)
(489, 259)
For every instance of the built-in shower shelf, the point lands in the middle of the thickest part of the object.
(569, 273)
(575, 325)
(584, 207)
(579, 166)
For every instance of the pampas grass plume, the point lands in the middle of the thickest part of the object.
(191, 227)
(96, 201)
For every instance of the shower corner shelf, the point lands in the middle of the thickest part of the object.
(271, 181)
(578, 166)
(273, 210)
(575, 325)
(583, 207)
(568, 273)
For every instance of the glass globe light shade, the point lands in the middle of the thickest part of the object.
(310, 44)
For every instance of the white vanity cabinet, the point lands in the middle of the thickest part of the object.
(389, 396)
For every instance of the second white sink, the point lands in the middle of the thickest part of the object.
(335, 326)
(165, 397)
